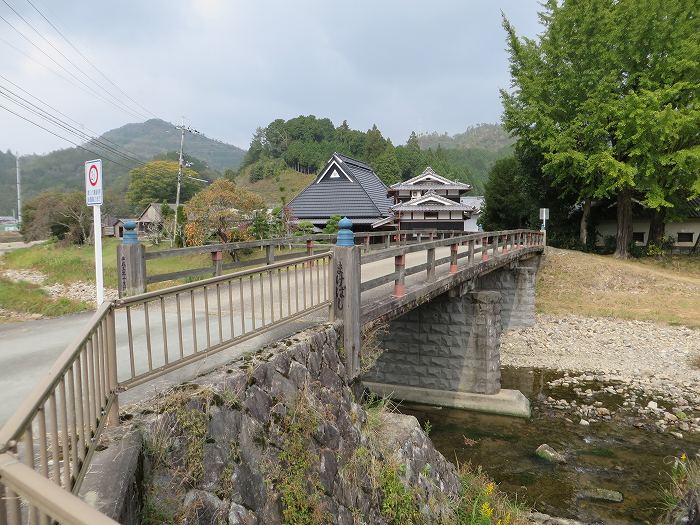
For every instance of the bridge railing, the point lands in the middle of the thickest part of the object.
(46, 445)
(275, 250)
(170, 328)
(475, 247)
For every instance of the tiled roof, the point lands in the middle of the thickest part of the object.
(694, 212)
(435, 181)
(364, 195)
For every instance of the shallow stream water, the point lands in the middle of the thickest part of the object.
(610, 455)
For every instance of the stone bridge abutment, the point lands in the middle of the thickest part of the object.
(447, 351)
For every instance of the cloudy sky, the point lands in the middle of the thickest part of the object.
(231, 66)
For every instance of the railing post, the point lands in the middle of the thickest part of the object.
(366, 243)
(131, 263)
(310, 250)
(495, 246)
(453, 257)
(387, 240)
(269, 254)
(217, 259)
(470, 258)
(431, 265)
(485, 248)
(346, 294)
(113, 417)
(400, 282)
(505, 244)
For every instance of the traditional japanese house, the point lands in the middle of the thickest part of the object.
(428, 201)
(345, 187)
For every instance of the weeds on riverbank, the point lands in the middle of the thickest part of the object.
(481, 503)
(681, 499)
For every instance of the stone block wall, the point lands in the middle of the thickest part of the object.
(450, 343)
(239, 422)
(517, 288)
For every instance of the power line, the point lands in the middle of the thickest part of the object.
(87, 59)
(80, 124)
(95, 93)
(61, 137)
(70, 129)
(66, 58)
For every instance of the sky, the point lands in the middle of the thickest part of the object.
(230, 66)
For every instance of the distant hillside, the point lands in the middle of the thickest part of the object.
(63, 169)
(490, 137)
(276, 188)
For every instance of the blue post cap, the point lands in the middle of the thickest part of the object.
(345, 235)
(130, 236)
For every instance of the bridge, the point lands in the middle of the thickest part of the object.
(444, 299)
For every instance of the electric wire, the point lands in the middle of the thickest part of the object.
(64, 138)
(108, 92)
(29, 106)
(75, 48)
(95, 93)
(79, 124)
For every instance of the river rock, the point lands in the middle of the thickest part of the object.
(584, 423)
(550, 455)
(599, 494)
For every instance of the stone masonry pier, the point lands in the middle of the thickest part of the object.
(446, 351)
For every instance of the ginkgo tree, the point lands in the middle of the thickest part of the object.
(608, 92)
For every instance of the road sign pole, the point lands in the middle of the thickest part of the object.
(93, 197)
(99, 278)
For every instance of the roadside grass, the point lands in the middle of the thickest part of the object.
(589, 285)
(67, 264)
(30, 298)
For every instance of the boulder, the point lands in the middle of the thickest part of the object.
(599, 494)
(550, 455)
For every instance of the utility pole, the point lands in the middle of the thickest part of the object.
(19, 194)
(182, 128)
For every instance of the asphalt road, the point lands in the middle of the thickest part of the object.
(28, 349)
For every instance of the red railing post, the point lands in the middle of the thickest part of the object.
(217, 259)
(453, 257)
(400, 282)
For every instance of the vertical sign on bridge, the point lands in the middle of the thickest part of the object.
(93, 197)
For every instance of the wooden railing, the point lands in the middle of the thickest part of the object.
(47, 444)
(305, 245)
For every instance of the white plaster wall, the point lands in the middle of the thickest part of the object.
(672, 228)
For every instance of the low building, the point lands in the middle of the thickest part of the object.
(476, 202)
(150, 217)
(427, 201)
(686, 233)
(345, 187)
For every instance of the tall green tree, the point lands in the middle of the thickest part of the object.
(375, 144)
(507, 206)
(156, 181)
(387, 165)
(608, 93)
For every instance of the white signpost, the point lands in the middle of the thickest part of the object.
(544, 216)
(93, 197)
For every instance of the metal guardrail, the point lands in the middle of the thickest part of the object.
(55, 431)
(47, 444)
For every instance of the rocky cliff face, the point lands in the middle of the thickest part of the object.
(280, 438)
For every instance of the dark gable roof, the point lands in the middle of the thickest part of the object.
(365, 195)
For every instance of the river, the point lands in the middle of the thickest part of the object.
(608, 455)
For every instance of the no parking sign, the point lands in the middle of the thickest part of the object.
(93, 182)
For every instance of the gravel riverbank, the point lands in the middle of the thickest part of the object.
(645, 372)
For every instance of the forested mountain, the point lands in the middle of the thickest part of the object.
(63, 169)
(305, 143)
(491, 137)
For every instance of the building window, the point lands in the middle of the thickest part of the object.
(431, 215)
(685, 236)
(638, 236)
